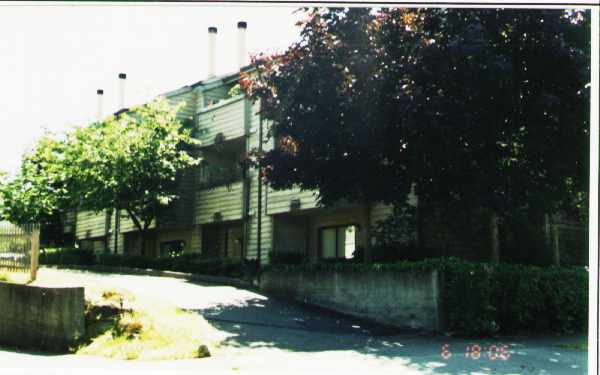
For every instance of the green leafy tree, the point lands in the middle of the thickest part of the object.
(131, 162)
(128, 162)
(2, 183)
(469, 106)
(40, 188)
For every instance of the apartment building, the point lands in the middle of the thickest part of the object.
(224, 209)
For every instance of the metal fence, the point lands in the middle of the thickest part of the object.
(19, 248)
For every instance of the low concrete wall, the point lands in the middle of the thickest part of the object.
(403, 299)
(41, 318)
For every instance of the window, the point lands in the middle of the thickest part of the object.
(338, 241)
(171, 248)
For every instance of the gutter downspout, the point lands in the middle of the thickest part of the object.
(117, 230)
(107, 221)
(259, 193)
(246, 184)
(75, 240)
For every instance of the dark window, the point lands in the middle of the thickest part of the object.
(337, 242)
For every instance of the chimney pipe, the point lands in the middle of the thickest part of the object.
(99, 94)
(122, 77)
(242, 53)
(212, 49)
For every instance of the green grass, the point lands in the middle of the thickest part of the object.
(146, 332)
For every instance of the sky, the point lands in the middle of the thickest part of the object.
(53, 58)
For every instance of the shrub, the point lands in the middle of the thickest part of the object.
(68, 256)
(286, 257)
(191, 263)
(397, 229)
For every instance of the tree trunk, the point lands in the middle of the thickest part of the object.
(140, 228)
(547, 232)
(555, 246)
(494, 241)
(142, 242)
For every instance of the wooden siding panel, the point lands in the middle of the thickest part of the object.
(127, 225)
(227, 118)
(266, 219)
(253, 125)
(90, 224)
(188, 110)
(180, 212)
(70, 219)
(111, 242)
(224, 199)
(195, 241)
(266, 225)
(280, 201)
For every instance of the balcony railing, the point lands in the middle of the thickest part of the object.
(214, 176)
(225, 120)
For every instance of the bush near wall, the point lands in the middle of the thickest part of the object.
(63, 256)
(191, 263)
(486, 299)
(287, 257)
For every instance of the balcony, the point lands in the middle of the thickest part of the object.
(219, 204)
(214, 176)
(223, 121)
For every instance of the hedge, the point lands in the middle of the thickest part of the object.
(481, 298)
(478, 298)
(191, 263)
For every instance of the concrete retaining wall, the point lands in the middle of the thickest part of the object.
(40, 318)
(403, 299)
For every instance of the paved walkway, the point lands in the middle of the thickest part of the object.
(266, 335)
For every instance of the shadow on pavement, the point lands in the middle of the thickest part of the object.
(268, 322)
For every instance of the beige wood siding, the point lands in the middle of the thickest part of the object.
(253, 124)
(277, 202)
(266, 225)
(280, 201)
(95, 245)
(189, 98)
(90, 224)
(195, 241)
(226, 200)
(127, 225)
(111, 242)
(180, 211)
(266, 220)
(226, 118)
(70, 220)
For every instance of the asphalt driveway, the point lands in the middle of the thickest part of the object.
(267, 335)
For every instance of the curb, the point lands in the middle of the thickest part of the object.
(209, 279)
